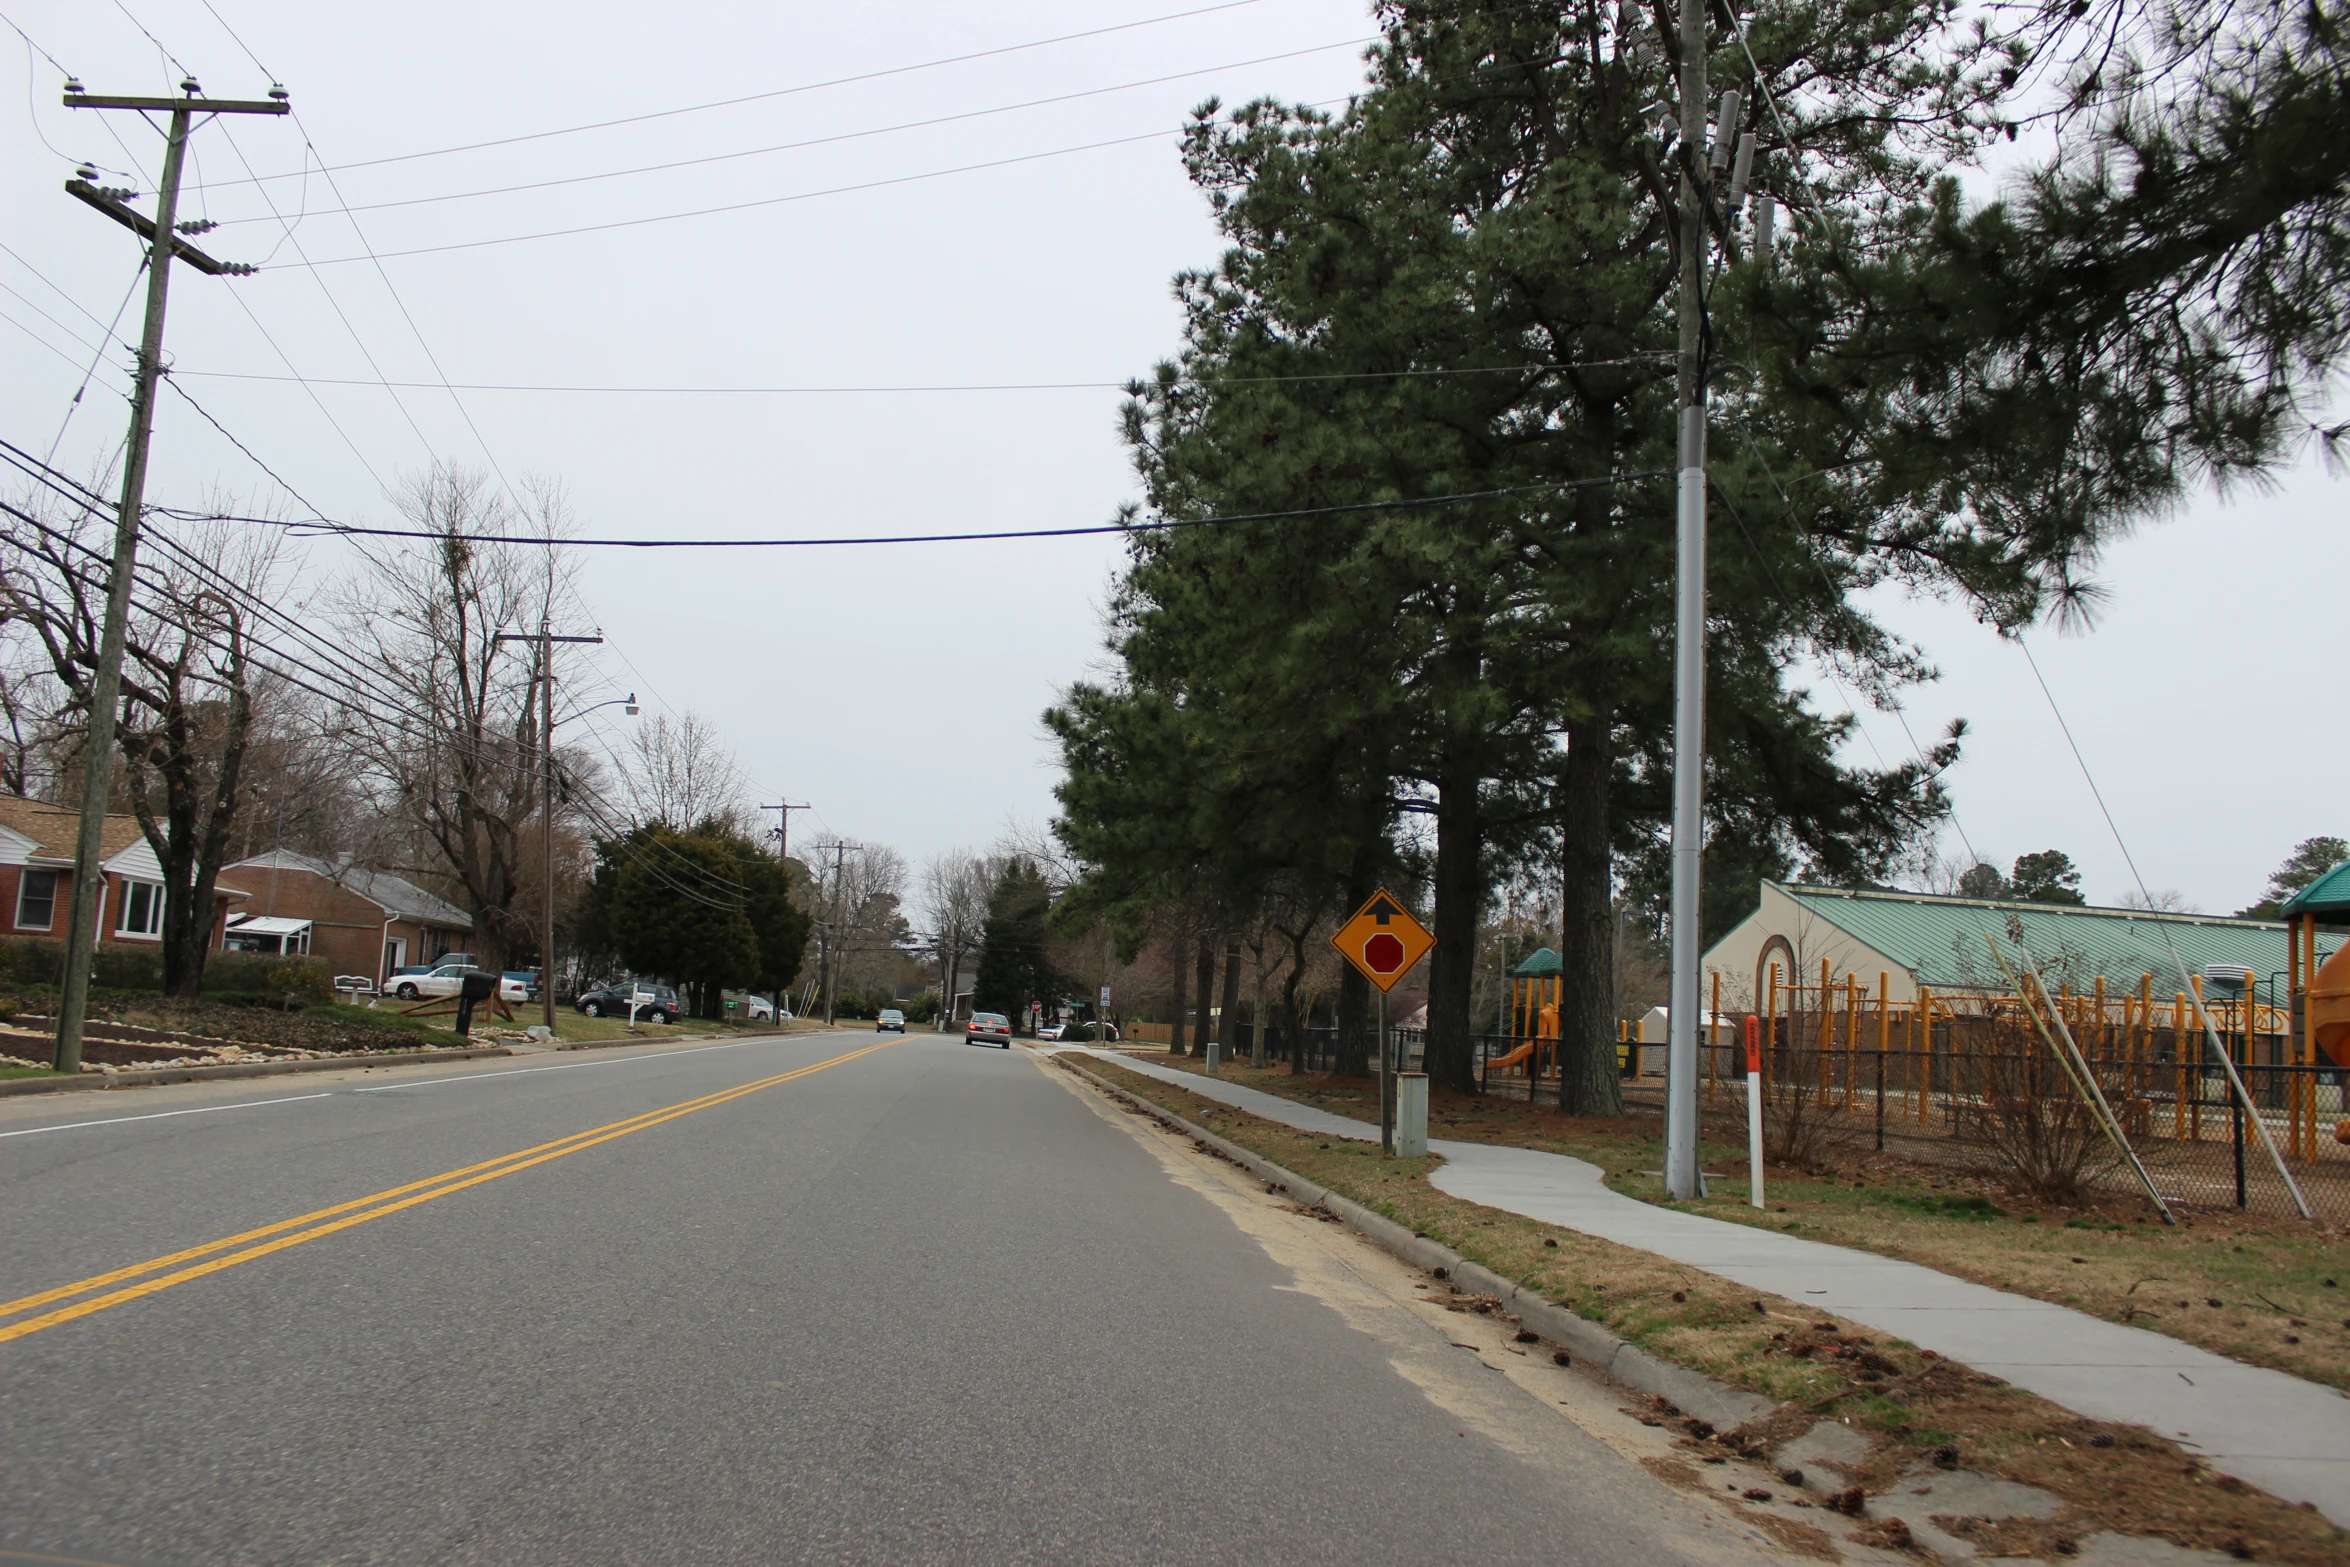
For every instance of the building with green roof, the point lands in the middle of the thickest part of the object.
(1915, 939)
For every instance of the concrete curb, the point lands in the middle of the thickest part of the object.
(1627, 1364)
(198, 1074)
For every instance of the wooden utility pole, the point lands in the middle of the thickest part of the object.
(163, 243)
(546, 641)
(783, 826)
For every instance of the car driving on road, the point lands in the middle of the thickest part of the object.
(891, 1019)
(988, 1028)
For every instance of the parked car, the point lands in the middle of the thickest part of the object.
(758, 1009)
(445, 979)
(652, 1003)
(528, 979)
(891, 1020)
(1049, 1031)
(988, 1028)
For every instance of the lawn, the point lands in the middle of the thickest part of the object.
(1915, 1407)
(2268, 1292)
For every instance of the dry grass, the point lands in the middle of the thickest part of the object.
(1913, 1404)
(2281, 1287)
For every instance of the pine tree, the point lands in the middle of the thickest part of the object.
(1013, 967)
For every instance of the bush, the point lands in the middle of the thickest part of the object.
(1083, 1033)
(37, 962)
(264, 974)
(301, 983)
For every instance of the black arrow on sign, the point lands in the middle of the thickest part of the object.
(1381, 910)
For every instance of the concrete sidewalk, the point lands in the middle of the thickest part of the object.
(2289, 1437)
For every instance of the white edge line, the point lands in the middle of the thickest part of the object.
(250, 1104)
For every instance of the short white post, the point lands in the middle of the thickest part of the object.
(1754, 1093)
(1215, 1053)
(1411, 1115)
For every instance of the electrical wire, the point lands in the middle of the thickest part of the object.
(348, 530)
(740, 206)
(759, 97)
(1658, 358)
(355, 693)
(826, 141)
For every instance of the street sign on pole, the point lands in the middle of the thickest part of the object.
(1105, 998)
(1384, 941)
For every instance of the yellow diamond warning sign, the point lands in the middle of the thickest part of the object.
(1383, 940)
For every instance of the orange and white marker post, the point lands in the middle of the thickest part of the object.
(1754, 1149)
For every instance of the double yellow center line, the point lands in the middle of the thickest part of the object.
(99, 1292)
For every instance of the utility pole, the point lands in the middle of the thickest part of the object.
(164, 243)
(832, 943)
(783, 827)
(1689, 628)
(782, 857)
(546, 641)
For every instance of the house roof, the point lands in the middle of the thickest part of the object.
(55, 827)
(395, 895)
(1940, 940)
(2327, 898)
(34, 832)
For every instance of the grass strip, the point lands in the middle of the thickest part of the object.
(1915, 1408)
(2268, 1292)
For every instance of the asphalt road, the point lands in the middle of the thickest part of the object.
(924, 1304)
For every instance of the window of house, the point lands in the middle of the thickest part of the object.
(142, 909)
(36, 900)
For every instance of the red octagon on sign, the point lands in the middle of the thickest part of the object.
(1384, 953)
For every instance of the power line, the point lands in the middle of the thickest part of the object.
(759, 97)
(739, 206)
(352, 698)
(938, 387)
(820, 141)
(1166, 525)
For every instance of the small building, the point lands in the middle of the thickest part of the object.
(1915, 939)
(36, 876)
(358, 921)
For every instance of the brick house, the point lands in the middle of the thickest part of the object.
(359, 921)
(36, 877)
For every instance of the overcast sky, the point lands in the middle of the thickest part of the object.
(897, 688)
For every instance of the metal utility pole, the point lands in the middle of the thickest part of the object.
(164, 243)
(1689, 625)
(546, 641)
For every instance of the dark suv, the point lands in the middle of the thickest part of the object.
(654, 1003)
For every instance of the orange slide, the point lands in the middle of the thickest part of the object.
(2329, 1007)
(1515, 1059)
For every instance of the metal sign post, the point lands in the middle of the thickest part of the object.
(1384, 942)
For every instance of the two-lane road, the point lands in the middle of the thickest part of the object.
(829, 1298)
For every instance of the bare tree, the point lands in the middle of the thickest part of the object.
(955, 888)
(454, 745)
(855, 896)
(188, 682)
(682, 775)
(32, 706)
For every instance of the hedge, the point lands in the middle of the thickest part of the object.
(38, 963)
